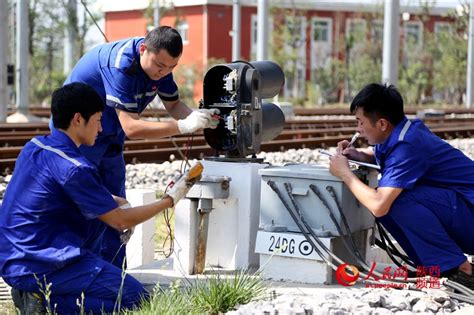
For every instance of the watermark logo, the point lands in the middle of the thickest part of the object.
(347, 275)
(426, 277)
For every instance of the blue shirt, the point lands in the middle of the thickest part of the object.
(414, 155)
(114, 71)
(47, 218)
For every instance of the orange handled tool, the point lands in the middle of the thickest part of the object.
(195, 171)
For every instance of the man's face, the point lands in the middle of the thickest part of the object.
(372, 131)
(157, 65)
(90, 129)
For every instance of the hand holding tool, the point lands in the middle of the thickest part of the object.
(183, 184)
(353, 139)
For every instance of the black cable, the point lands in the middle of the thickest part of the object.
(391, 249)
(382, 231)
(351, 247)
(333, 195)
(274, 187)
(94, 20)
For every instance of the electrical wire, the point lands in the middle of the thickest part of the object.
(168, 214)
(94, 20)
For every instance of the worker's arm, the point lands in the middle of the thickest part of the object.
(135, 128)
(122, 219)
(177, 109)
(378, 201)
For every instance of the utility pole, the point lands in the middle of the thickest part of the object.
(470, 57)
(262, 30)
(22, 49)
(3, 59)
(391, 39)
(71, 36)
(156, 13)
(236, 29)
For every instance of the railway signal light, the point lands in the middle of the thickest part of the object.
(238, 89)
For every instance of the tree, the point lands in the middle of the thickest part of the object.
(48, 22)
(286, 46)
(449, 49)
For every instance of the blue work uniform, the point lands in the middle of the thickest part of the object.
(432, 218)
(114, 71)
(48, 223)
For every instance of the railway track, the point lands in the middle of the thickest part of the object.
(298, 133)
(298, 111)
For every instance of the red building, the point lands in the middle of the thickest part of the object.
(205, 26)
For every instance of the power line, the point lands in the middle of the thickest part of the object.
(93, 20)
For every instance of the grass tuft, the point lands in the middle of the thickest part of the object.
(170, 301)
(213, 295)
(219, 294)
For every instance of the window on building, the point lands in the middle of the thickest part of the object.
(254, 35)
(413, 33)
(296, 47)
(321, 30)
(376, 31)
(442, 28)
(182, 29)
(321, 42)
(356, 30)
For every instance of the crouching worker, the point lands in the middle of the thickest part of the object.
(425, 195)
(54, 209)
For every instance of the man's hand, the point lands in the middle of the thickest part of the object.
(349, 151)
(214, 114)
(338, 165)
(199, 119)
(362, 155)
(185, 182)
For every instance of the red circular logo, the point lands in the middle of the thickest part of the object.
(347, 275)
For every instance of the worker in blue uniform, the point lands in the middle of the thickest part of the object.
(128, 74)
(425, 195)
(51, 212)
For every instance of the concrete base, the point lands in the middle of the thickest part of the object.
(19, 117)
(141, 246)
(233, 222)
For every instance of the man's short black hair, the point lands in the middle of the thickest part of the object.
(380, 101)
(74, 98)
(164, 37)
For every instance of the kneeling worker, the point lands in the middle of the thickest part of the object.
(50, 217)
(425, 195)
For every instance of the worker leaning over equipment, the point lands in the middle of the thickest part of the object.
(52, 214)
(425, 196)
(127, 75)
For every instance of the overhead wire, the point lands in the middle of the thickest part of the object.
(94, 20)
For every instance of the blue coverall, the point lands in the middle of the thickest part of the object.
(48, 223)
(433, 217)
(114, 71)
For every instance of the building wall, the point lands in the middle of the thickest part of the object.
(119, 25)
(216, 24)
